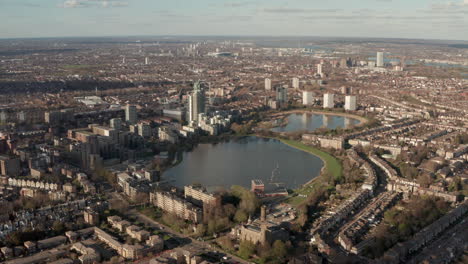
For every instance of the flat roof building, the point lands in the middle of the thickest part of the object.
(267, 84)
(131, 114)
(328, 100)
(380, 59)
(307, 97)
(350, 103)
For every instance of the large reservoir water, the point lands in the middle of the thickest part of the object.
(241, 160)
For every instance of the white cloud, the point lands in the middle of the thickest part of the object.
(72, 4)
(300, 10)
(450, 8)
(92, 3)
(237, 4)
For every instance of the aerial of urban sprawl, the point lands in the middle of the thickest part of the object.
(233, 149)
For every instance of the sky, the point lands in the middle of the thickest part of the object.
(424, 19)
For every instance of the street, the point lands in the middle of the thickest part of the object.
(186, 242)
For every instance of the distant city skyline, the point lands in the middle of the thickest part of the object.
(422, 19)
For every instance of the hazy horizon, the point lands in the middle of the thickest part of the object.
(311, 37)
(416, 19)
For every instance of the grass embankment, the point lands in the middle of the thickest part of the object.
(332, 167)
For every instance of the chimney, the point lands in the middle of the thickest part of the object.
(263, 213)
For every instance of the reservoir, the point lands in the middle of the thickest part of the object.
(241, 160)
(311, 122)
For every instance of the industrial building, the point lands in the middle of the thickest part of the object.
(262, 231)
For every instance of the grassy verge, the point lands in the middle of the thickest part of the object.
(331, 167)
